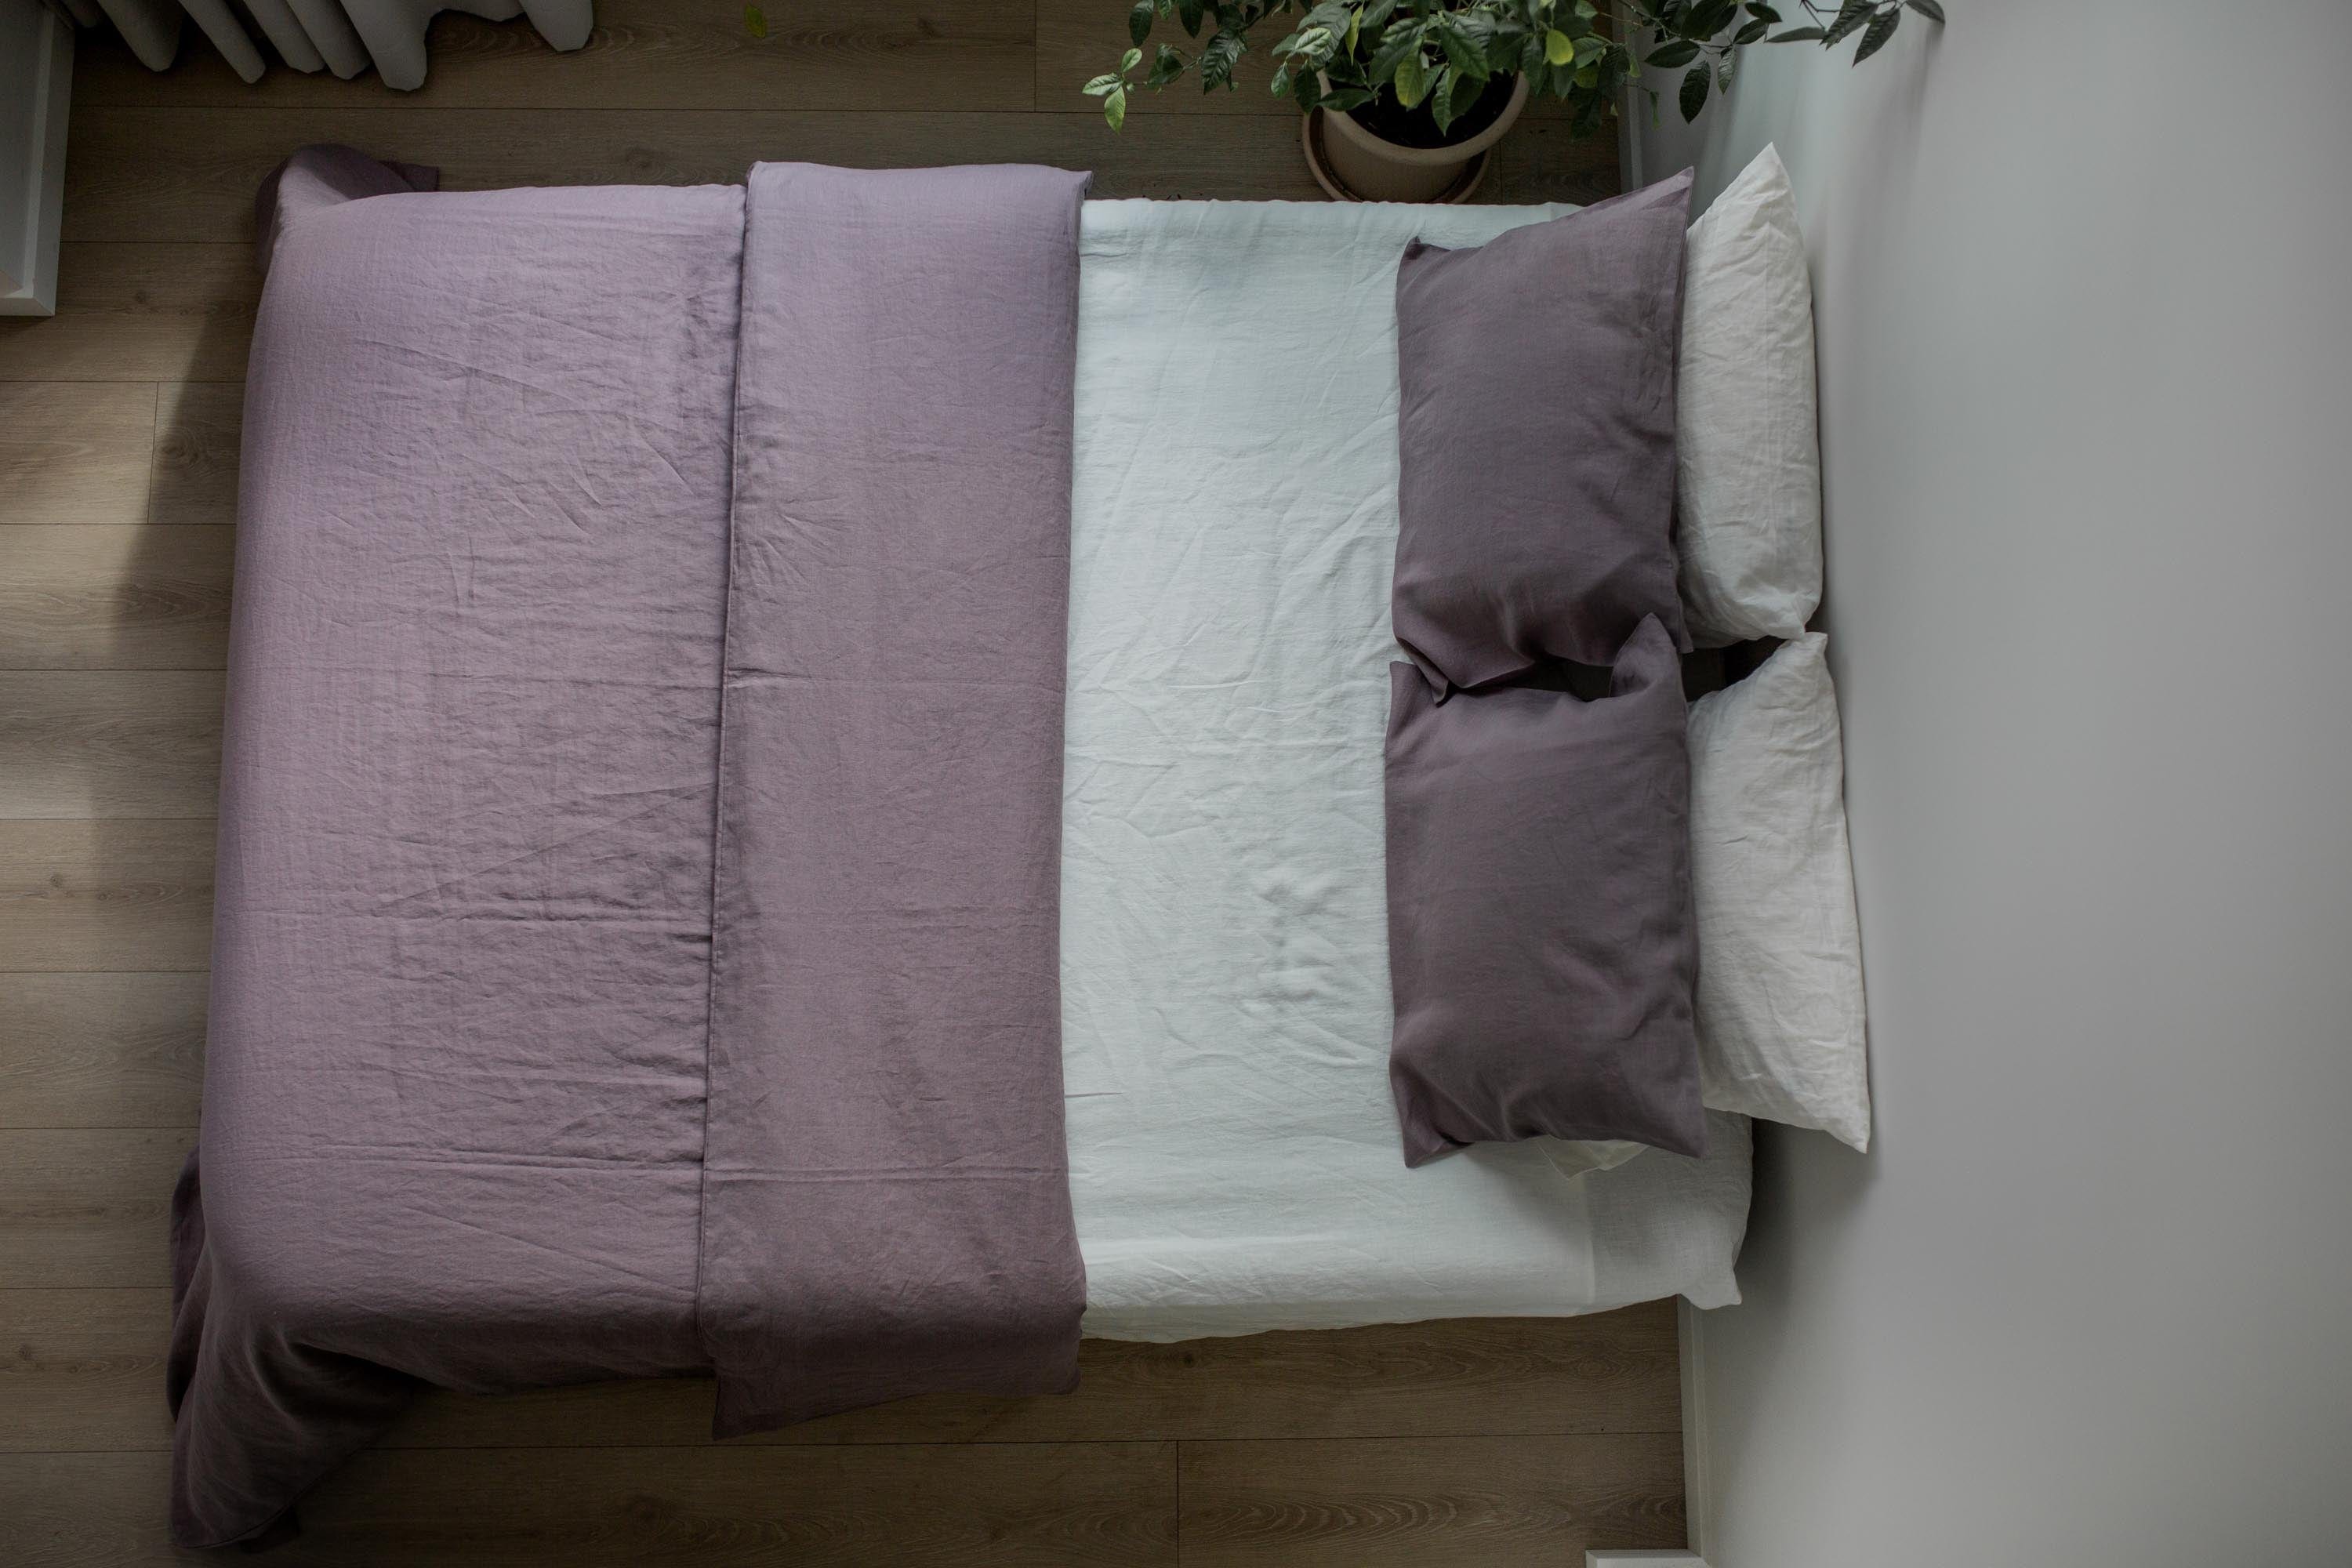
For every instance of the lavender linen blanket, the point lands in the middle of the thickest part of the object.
(480, 1112)
(885, 1196)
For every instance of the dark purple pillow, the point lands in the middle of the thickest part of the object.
(1536, 436)
(1540, 941)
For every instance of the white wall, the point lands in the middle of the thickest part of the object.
(2083, 287)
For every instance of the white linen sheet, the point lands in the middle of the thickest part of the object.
(1234, 1151)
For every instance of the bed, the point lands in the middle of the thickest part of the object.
(529, 646)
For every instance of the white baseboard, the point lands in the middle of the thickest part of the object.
(39, 78)
(1668, 1559)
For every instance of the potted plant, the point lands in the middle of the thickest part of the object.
(1402, 97)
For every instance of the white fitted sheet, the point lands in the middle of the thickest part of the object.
(1234, 1152)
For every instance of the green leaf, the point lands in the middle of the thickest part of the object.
(1466, 57)
(1666, 56)
(1850, 15)
(1412, 83)
(1280, 86)
(1696, 82)
(1762, 13)
(1139, 22)
(1797, 35)
(1874, 36)
(1314, 43)
(1557, 48)
(1752, 31)
(1587, 78)
(1399, 41)
(1347, 98)
(1504, 47)
(1355, 25)
(1115, 109)
(1587, 9)
(1707, 18)
(1440, 99)
(1590, 47)
(1586, 118)
(1130, 60)
(1465, 92)
(1166, 66)
(1218, 58)
(755, 21)
(1106, 82)
(1189, 12)
(1307, 88)
(1930, 9)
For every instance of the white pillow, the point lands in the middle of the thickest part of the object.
(1748, 461)
(1779, 954)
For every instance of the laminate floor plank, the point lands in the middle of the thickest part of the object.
(151, 311)
(197, 427)
(75, 453)
(1467, 1502)
(101, 1050)
(84, 1209)
(1086, 1505)
(115, 598)
(124, 894)
(149, 174)
(143, 174)
(99, 744)
(82, 1369)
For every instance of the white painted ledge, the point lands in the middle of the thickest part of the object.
(1698, 1482)
(36, 72)
(1644, 1558)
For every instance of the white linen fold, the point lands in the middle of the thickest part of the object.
(1234, 1151)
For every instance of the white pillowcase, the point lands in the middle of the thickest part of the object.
(1779, 955)
(1747, 453)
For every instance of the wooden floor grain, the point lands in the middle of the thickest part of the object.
(1462, 1443)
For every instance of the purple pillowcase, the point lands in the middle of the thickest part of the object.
(1536, 436)
(1541, 941)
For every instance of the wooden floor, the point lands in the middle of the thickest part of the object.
(1458, 1443)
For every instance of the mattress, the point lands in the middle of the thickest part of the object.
(1234, 1151)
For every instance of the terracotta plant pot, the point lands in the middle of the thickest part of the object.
(1366, 167)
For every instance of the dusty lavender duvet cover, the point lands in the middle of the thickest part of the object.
(480, 1109)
